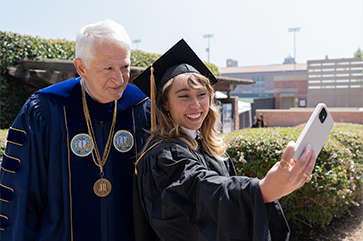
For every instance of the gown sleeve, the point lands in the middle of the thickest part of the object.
(184, 200)
(23, 174)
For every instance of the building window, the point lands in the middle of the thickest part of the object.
(259, 87)
(340, 75)
(357, 74)
(314, 75)
(343, 63)
(328, 81)
(315, 64)
(314, 81)
(342, 80)
(342, 86)
(314, 70)
(342, 69)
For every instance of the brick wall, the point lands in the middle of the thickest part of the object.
(287, 87)
(297, 116)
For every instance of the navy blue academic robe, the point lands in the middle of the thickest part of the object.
(47, 174)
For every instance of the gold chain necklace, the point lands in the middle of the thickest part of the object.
(102, 186)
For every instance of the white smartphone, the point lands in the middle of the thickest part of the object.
(316, 131)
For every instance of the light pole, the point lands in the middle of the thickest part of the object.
(136, 41)
(208, 36)
(294, 30)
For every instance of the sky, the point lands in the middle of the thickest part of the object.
(253, 32)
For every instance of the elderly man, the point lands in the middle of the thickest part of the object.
(69, 161)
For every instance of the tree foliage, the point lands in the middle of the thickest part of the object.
(358, 54)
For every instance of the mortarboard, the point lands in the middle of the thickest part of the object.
(177, 60)
(180, 53)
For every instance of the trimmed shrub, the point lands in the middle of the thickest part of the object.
(12, 98)
(15, 47)
(337, 178)
(336, 184)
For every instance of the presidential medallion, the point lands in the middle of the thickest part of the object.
(102, 187)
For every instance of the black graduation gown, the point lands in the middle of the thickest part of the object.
(188, 195)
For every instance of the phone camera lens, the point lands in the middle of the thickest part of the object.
(322, 115)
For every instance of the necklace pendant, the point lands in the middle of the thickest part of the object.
(102, 187)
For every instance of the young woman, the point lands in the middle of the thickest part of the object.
(186, 183)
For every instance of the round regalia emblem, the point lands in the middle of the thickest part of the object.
(123, 141)
(82, 145)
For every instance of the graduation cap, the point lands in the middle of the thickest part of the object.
(179, 59)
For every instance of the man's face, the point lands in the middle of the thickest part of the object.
(108, 73)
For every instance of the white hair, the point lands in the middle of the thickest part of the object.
(98, 32)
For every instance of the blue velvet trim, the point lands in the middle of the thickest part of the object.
(17, 137)
(6, 193)
(11, 164)
(68, 93)
(4, 222)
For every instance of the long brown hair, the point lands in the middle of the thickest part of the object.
(167, 129)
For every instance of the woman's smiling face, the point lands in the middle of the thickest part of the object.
(187, 106)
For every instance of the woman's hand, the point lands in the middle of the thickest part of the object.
(287, 175)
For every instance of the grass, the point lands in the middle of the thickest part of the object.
(249, 100)
(3, 135)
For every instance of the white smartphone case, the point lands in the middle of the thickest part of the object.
(315, 132)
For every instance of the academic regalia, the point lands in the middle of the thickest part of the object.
(189, 195)
(47, 174)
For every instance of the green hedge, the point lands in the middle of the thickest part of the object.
(12, 98)
(337, 178)
(15, 47)
(143, 59)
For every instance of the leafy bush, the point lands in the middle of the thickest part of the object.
(337, 178)
(15, 47)
(12, 97)
(143, 59)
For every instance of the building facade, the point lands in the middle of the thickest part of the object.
(290, 91)
(336, 82)
(263, 76)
